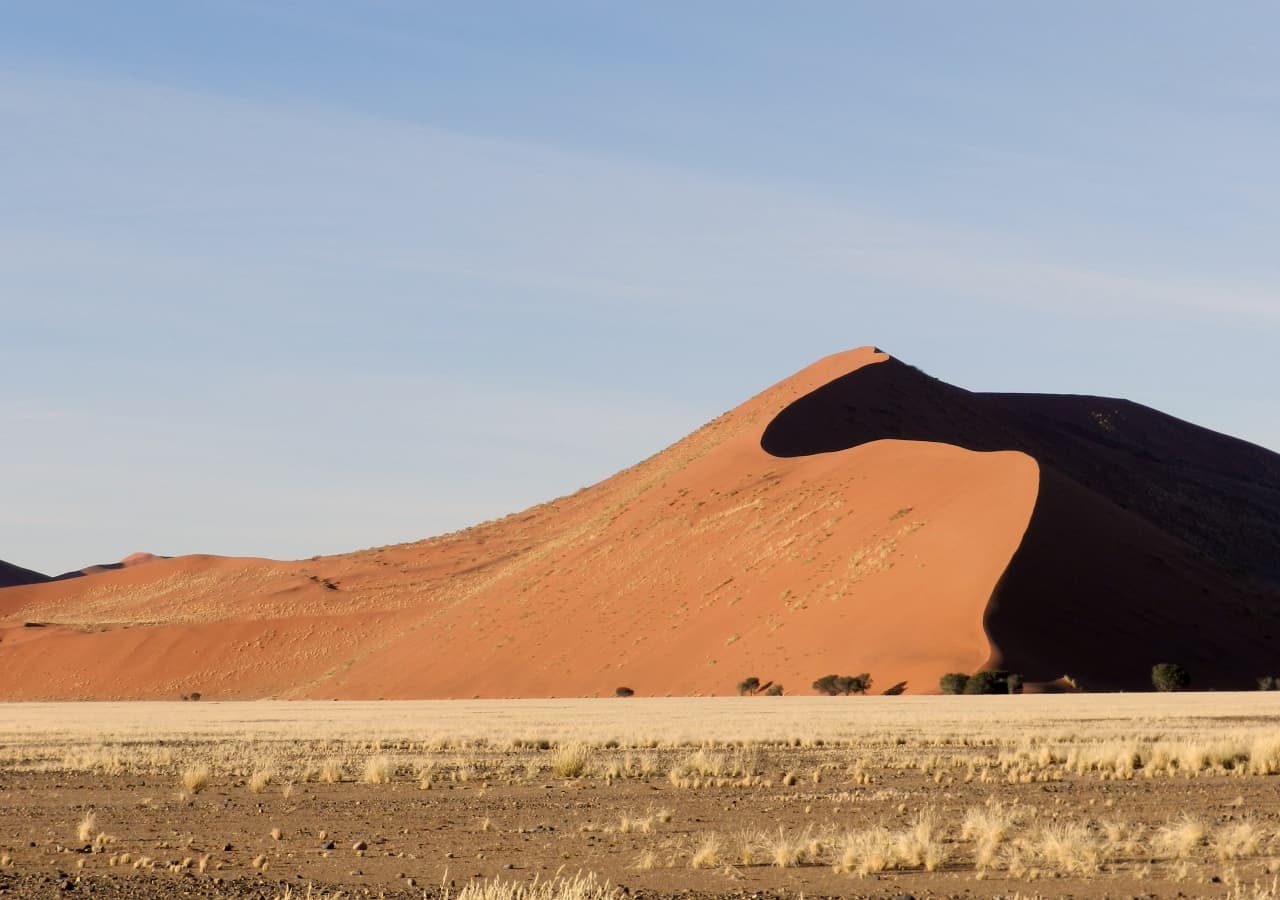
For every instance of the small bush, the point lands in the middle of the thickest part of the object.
(995, 681)
(1170, 677)
(826, 685)
(953, 682)
(1014, 683)
(834, 685)
(748, 685)
(1269, 683)
(773, 690)
(623, 692)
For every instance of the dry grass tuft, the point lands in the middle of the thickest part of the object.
(1259, 890)
(331, 771)
(1238, 840)
(1071, 848)
(1180, 838)
(195, 778)
(571, 760)
(579, 887)
(88, 825)
(786, 850)
(377, 770)
(866, 852)
(707, 856)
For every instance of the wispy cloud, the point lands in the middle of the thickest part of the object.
(117, 174)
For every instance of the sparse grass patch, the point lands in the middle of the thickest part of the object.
(579, 887)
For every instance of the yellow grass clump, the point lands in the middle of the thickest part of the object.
(570, 760)
(195, 778)
(707, 856)
(88, 825)
(377, 770)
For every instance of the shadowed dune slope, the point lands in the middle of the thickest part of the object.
(11, 575)
(706, 563)
(858, 516)
(1152, 539)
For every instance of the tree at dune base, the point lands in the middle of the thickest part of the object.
(835, 685)
(752, 686)
(1170, 677)
(995, 681)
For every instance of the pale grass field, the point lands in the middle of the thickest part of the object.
(912, 787)
(640, 721)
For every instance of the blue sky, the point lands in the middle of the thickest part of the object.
(293, 278)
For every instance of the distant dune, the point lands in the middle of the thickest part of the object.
(859, 516)
(11, 575)
(133, 559)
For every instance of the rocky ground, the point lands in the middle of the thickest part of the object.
(478, 820)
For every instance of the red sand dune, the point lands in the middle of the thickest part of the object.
(858, 516)
(133, 559)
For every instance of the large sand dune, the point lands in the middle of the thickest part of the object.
(858, 516)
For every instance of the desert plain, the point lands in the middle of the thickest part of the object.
(1103, 795)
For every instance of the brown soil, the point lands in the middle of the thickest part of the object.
(551, 824)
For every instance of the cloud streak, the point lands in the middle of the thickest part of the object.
(123, 165)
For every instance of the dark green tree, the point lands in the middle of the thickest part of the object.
(1170, 677)
(828, 684)
(995, 681)
(835, 685)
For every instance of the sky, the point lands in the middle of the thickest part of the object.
(290, 278)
